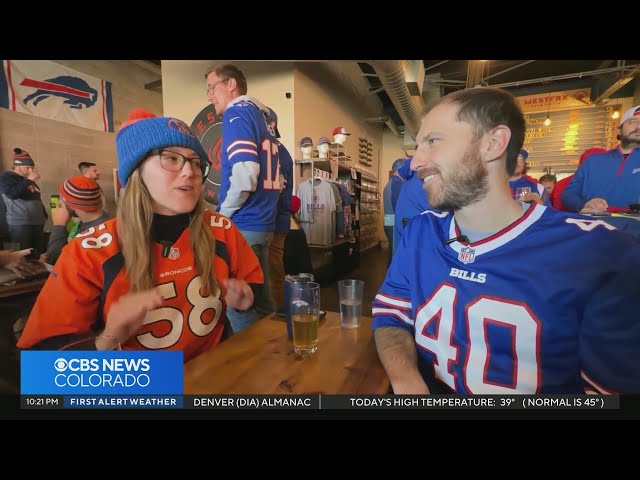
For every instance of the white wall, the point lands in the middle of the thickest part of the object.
(184, 89)
(321, 105)
(58, 147)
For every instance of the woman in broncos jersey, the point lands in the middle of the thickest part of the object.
(159, 275)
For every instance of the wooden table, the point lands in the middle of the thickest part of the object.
(261, 360)
(22, 286)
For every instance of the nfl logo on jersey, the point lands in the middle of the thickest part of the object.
(174, 253)
(467, 255)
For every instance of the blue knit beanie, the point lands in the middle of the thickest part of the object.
(143, 132)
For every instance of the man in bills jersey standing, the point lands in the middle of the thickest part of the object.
(460, 310)
(250, 174)
(283, 219)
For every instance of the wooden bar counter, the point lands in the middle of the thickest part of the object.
(261, 360)
(21, 287)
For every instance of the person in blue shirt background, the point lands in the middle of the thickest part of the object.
(250, 175)
(609, 181)
(412, 201)
(520, 179)
(283, 217)
(390, 196)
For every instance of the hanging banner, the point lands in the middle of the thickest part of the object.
(544, 102)
(47, 89)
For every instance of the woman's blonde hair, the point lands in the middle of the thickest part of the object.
(135, 215)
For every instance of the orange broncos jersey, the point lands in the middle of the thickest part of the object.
(90, 276)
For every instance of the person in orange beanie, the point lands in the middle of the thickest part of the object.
(79, 197)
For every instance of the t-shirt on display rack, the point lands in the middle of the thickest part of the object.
(330, 213)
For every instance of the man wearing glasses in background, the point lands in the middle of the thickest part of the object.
(250, 175)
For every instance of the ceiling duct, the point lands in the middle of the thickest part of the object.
(349, 75)
(388, 122)
(392, 76)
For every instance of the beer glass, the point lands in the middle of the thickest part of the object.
(305, 317)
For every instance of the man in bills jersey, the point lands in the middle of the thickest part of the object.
(521, 181)
(283, 218)
(159, 275)
(250, 174)
(461, 310)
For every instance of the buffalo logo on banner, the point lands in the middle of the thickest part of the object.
(208, 128)
(75, 91)
(53, 91)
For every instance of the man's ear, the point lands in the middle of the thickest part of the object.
(232, 84)
(496, 143)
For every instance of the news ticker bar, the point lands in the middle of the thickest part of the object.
(324, 402)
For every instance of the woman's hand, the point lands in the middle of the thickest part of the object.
(126, 316)
(238, 294)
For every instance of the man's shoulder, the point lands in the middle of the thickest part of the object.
(284, 155)
(242, 108)
(601, 159)
(240, 116)
(97, 222)
(585, 235)
(220, 225)
(98, 243)
(431, 219)
(10, 175)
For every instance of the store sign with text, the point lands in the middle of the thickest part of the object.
(544, 102)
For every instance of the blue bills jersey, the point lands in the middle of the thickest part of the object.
(535, 186)
(550, 304)
(250, 168)
(283, 217)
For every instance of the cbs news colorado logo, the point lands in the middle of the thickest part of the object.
(61, 365)
(116, 372)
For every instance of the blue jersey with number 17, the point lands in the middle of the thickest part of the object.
(250, 169)
(550, 304)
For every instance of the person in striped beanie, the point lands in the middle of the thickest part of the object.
(79, 197)
(25, 213)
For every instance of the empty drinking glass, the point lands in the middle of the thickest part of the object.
(522, 192)
(350, 292)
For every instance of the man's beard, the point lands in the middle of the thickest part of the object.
(627, 142)
(465, 186)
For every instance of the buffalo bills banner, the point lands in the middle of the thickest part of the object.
(47, 89)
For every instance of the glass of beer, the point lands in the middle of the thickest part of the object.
(305, 317)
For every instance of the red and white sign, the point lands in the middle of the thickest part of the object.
(544, 102)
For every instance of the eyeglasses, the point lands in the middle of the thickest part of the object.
(210, 88)
(174, 162)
